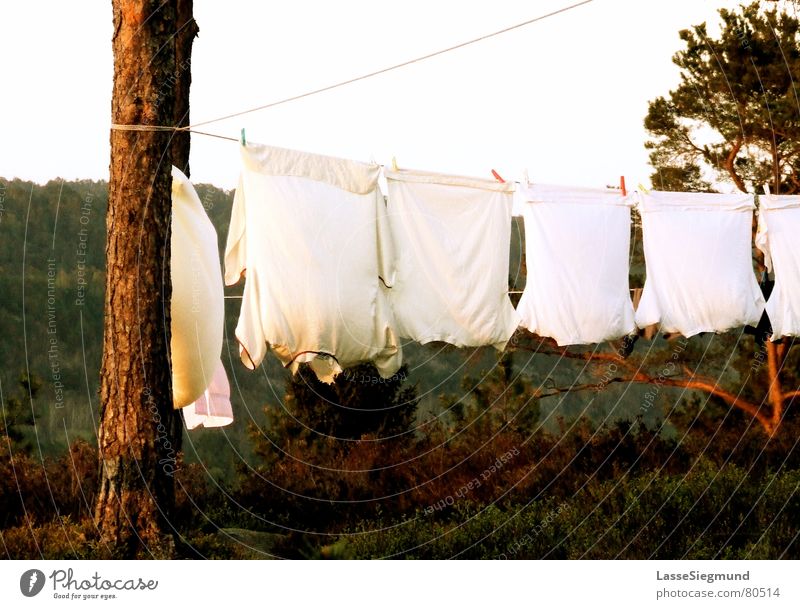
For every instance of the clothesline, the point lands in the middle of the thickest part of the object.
(510, 292)
(186, 129)
(632, 290)
(191, 128)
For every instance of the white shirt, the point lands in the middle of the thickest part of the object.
(197, 305)
(576, 248)
(452, 235)
(698, 255)
(309, 232)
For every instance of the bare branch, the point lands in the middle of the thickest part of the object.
(690, 380)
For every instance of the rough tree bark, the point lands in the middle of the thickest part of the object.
(139, 430)
(186, 33)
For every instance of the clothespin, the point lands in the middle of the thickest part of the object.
(622, 186)
(766, 190)
(643, 189)
(497, 177)
(244, 141)
(394, 164)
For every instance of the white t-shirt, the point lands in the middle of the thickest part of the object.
(698, 255)
(309, 232)
(576, 254)
(452, 235)
(197, 306)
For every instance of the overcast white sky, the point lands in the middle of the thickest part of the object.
(563, 98)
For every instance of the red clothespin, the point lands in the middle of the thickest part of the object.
(497, 177)
(622, 186)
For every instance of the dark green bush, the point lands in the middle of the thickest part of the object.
(706, 513)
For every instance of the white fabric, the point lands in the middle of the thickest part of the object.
(197, 294)
(576, 251)
(309, 231)
(778, 237)
(453, 237)
(519, 202)
(698, 255)
(213, 408)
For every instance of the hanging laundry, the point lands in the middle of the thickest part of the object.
(698, 257)
(576, 249)
(648, 332)
(197, 305)
(213, 408)
(452, 236)
(777, 236)
(519, 201)
(309, 231)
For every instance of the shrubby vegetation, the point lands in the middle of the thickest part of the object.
(483, 480)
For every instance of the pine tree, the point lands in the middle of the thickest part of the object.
(736, 113)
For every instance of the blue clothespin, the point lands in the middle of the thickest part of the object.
(244, 141)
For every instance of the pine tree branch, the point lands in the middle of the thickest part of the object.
(548, 347)
(730, 167)
(558, 390)
(636, 375)
(706, 386)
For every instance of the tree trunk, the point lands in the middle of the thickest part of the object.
(137, 449)
(187, 31)
(776, 398)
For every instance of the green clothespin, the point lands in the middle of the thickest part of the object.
(244, 141)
